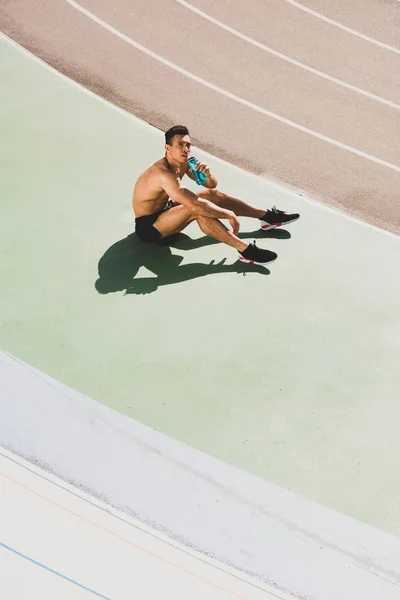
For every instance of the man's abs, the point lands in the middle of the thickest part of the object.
(145, 207)
(147, 199)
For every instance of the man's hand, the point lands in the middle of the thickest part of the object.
(211, 180)
(202, 167)
(235, 224)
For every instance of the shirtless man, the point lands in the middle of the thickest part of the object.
(163, 207)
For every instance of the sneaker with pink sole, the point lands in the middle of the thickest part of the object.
(276, 218)
(257, 256)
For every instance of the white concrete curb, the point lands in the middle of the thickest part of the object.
(268, 532)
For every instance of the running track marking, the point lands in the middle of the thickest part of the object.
(55, 503)
(107, 509)
(129, 115)
(39, 564)
(336, 24)
(287, 58)
(213, 87)
(121, 538)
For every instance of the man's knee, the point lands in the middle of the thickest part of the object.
(186, 212)
(204, 223)
(214, 195)
(200, 222)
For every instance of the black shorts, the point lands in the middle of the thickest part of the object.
(144, 226)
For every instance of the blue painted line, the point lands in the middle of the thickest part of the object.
(35, 562)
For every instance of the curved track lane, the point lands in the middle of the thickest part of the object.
(293, 125)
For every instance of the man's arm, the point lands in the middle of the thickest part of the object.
(199, 206)
(211, 182)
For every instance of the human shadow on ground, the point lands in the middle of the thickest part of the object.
(120, 264)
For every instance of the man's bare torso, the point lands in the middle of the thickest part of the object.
(149, 196)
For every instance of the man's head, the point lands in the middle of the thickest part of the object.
(177, 144)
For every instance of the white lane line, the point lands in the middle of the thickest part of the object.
(287, 58)
(336, 24)
(145, 541)
(223, 92)
(262, 179)
(109, 510)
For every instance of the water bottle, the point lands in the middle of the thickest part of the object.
(198, 175)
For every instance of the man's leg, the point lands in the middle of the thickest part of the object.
(248, 253)
(269, 218)
(217, 230)
(238, 206)
(173, 220)
(177, 218)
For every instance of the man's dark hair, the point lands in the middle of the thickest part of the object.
(175, 130)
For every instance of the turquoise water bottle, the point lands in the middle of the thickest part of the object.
(198, 175)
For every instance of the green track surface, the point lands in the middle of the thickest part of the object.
(293, 375)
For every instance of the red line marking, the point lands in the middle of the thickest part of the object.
(119, 537)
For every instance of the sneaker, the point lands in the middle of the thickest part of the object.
(275, 218)
(257, 256)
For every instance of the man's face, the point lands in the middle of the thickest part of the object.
(179, 149)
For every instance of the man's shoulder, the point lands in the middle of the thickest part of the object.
(159, 169)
